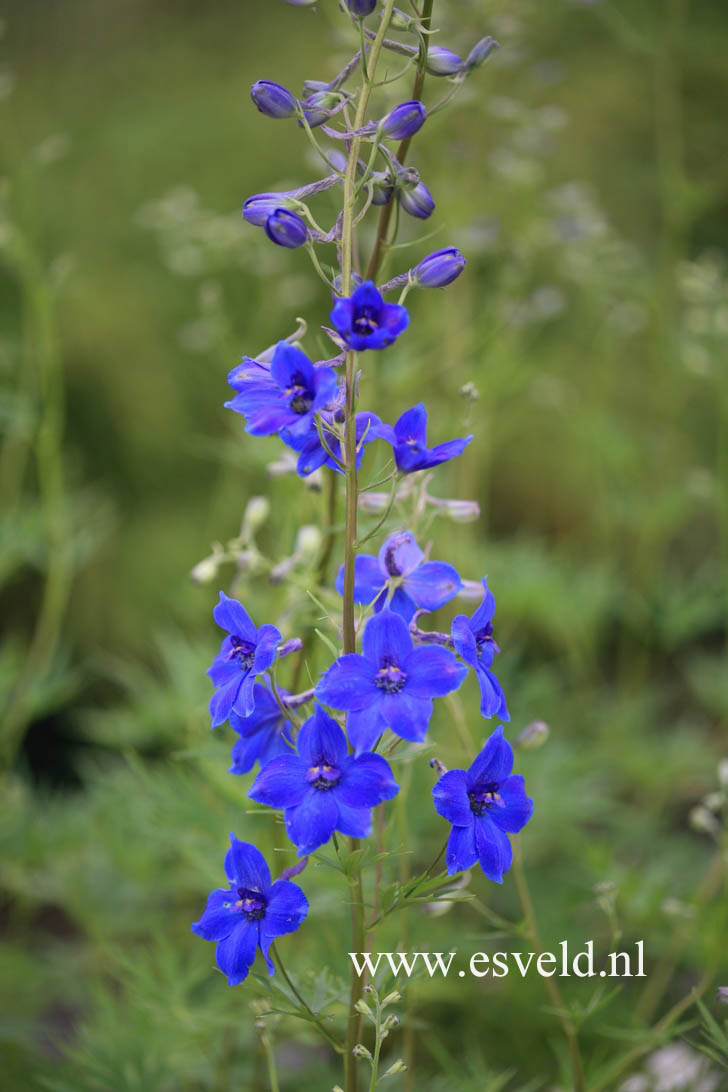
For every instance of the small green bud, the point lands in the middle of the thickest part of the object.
(391, 998)
(533, 735)
(257, 511)
(398, 1067)
(362, 1008)
(360, 1051)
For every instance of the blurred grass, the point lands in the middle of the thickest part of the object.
(582, 173)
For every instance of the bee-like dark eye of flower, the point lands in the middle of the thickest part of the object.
(389, 562)
(366, 321)
(484, 797)
(250, 903)
(390, 678)
(242, 652)
(301, 397)
(322, 776)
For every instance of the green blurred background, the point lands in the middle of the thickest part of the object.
(582, 171)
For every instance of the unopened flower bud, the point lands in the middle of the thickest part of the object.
(404, 120)
(361, 7)
(308, 543)
(714, 801)
(533, 735)
(258, 208)
(392, 1021)
(470, 392)
(703, 821)
(461, 511)
(356, 281)
(205, 570)
(360, 1051)
(362, 1008)
(401, 20)
(439, 268)
(443, 62)
(286, 229)
(479, 53)
(721, 995)
(273, 100)
(723, 773)
(391, 998)
(382, 187)
(417, 200)
(439, 767)
(373, 502)
(256, 513)
(398, 1067)
(322, 105)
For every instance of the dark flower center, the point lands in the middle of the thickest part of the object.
(389, 562)
(484, 637)
(390, 677)
(483, 797)
(323, 776)
(250, 903)
(301, 397)
(366, 321)
(242, 652)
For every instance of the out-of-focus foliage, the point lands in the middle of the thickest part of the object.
(583, 177)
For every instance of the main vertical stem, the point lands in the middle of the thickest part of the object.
(349, 629)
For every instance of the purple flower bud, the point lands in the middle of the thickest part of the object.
(404, 120)
(480, 51)
(361, 7)
(443, 62)
(322, 105)
(439, 268)
(258, 208)
(417, 201)
(273, 100)
(382, 187)
(286, 229)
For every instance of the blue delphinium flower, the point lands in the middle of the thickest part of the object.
(484, 804)
(286, 228)
(264, 734)
(313, 454)
(391, 685)
(287, 396)
(251, 913)
(473, 640)
(365, 321)
(322, 788)
(437, 269)
(273, 100)
(245, 653)
(415, 584)
(409, 442)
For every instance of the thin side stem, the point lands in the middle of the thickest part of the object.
(304, 1004)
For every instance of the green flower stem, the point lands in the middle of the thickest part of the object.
(316, 1019)
(349, 627)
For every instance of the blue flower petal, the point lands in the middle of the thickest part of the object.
(223, 668)
(348, 684)
(412, 425)
(311, 824)
(220, 916)
(354, 822)
(433, 584)
(486, 611)
(269, 419)
(402, 604)
(290, 366)
(451, 798)
(364, 727)
(342, 316)
(518, 807)
(464, 640)
(245, 866)
(281, 783)
(494, 849)
(400, 555)
(432, 672)
(236, 954)
(492, 698)
(461, 852)
(394, 319)
(232, 616)
(285, 912)
(387, 637)
(369, 580)
(365, 782)
(244, 703)
(408, 717)
(223, 699)
(495, 761)
(268, 638)
(321, 737)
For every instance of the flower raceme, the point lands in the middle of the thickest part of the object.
(400, 571)
(322, 788)
(484, 804)
(391, 685)
(250, 913)
(245, 653)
